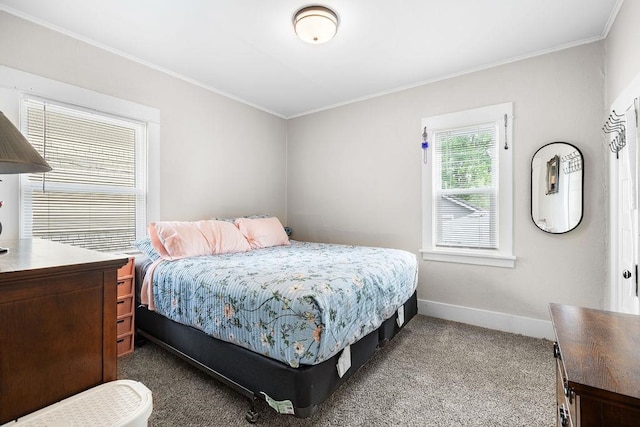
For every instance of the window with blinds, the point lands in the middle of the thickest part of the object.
(95, 195)
(466, 187)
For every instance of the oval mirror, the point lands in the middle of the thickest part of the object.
(556, 187)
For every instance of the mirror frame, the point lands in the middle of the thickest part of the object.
(550, 183)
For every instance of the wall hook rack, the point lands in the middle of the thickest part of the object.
(572, 162)
(615, 126)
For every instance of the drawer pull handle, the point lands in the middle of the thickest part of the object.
(564, 416)
(120, 321)
(568, 391)
(120, 282)
(556, 351)
(121, 302)
(120, 340)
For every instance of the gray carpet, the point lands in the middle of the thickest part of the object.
(434, 373)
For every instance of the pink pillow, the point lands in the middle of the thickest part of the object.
(263, 232)
(180, 239)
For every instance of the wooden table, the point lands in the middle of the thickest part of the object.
(57, 323)
(598, 367)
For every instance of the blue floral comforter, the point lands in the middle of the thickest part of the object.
(299, 304)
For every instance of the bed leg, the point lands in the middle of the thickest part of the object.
(252, 413)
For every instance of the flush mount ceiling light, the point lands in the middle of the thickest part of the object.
(315, 24)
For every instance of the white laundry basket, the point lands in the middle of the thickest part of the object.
(118, 403)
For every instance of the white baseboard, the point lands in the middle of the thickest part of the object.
(488, 319)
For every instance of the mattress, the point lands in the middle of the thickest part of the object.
(300, 304)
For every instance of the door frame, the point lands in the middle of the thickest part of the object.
(613, 293)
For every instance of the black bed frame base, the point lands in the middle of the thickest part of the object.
(253, 374)
(252, 413)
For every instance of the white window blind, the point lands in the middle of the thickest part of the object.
(466, 187)
(95, 195)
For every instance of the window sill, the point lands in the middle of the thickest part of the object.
(475, 258)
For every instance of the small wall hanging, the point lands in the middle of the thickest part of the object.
(425, 145)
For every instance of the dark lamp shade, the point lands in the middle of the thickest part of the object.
(17, 155)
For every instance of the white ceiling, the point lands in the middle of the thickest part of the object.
(247, 49)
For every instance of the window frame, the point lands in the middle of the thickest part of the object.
(139, 191)
(16, 83)
(503, 256)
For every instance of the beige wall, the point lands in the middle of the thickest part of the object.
(354, 177)
(218, 157)
(622, 58)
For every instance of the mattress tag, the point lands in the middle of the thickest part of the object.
(400, 318)
(344, 361)
(281, 406)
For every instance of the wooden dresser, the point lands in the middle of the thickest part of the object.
(125, 308)
(598, 367)
(57, 323)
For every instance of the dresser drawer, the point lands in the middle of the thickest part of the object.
(125, 321)
(125, 344)
(566, 405)
(127, 269)
(124, 325)
(125, 306)
(566, 398)
(125, 287)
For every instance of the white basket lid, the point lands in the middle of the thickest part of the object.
(117, 403)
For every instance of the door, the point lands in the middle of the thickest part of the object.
(625, 223)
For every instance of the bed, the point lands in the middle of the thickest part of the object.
(287, 323)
